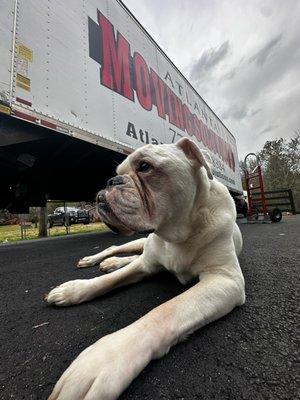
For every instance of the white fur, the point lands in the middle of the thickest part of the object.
(197, 237)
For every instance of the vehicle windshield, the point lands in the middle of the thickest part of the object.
(62, 209)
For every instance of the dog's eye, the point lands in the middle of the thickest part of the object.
(144, 167)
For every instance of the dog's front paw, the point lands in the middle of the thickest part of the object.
(111, 264)
(88, 261)
(103, 370)
(72, 292)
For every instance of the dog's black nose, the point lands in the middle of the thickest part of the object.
(116, 180)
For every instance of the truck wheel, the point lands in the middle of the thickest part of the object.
(49, 224)
(275, 215)
(86, 222)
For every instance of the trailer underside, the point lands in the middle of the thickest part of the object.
(37, 164)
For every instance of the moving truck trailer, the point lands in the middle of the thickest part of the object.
(88, 70)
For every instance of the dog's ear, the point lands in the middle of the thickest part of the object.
(192, 152)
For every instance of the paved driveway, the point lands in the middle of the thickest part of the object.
(249, 354)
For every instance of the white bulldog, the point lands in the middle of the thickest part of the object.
(168, 190)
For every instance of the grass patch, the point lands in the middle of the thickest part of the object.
(12, 233)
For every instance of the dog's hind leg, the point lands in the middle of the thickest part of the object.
(135, 246)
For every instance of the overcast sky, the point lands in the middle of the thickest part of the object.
(243, 57)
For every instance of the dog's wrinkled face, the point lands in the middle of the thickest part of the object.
(154, 185)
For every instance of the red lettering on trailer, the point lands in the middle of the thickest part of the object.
(115, 71)
(142, 81)
(123, 74)
(187, 119)
(179, 113)
(159, 93)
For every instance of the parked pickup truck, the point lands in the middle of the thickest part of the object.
(75, 215)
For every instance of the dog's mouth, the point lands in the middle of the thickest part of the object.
(121, 212)
(109, 217)
(146, 232)
(102, 205)
(112, 227)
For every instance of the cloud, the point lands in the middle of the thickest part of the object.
(268, 129)
(230, 75)
(262, 55)
(208, 60)
(266, 11)
(238, 112)
(242, 57)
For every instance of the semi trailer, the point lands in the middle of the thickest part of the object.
(82, 84)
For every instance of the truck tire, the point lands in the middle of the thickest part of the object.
(86, 221)
(275, 215)
(49, 224)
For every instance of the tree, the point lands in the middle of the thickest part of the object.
(280, 161)
(34, 215)
(43, 222)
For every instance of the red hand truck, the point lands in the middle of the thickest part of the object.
(257, 202)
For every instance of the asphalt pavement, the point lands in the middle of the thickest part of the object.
(249, 354)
